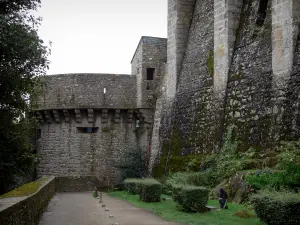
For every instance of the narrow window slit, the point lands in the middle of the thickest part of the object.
(262, 12)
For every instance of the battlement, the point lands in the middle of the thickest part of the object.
(96, 91)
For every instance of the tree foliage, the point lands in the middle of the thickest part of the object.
(133, 164)
(23, 60)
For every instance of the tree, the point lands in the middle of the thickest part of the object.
(133, 164)
(23, 60)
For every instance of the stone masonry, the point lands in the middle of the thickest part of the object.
(90, 121)
(225, 62)
(239, 66)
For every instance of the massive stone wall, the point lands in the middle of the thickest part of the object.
(74, 103)
(180, 14)
(66, 149)
(194, 92)
(70, 91)
(291, 115)
(194, 89)
(240, 67)
(249, 90)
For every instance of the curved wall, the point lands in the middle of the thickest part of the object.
(86, 133)
(70, 91)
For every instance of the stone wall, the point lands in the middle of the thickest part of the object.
(77, 183)
(195, 82)
(249, 91)
(150, 53)
(291, 115)
(66, 149)
(180, 13)
(26, 210)
(136, 69)
(69, 91)
(240, 67)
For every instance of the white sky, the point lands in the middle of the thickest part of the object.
(98, 36)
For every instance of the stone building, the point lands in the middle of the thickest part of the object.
(224, 62)
(230, 62)
(89, 121)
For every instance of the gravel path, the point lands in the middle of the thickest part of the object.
(83, 209)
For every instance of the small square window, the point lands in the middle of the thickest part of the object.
(150, 73)
(88, 130)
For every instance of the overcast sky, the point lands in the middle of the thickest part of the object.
(99, 36)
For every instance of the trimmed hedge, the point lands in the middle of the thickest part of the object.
(277, 208)
(176, 190)
(133, 186)
(199, 179)
(151, 190)
(190, 198)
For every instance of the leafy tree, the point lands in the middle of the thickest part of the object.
(133, 164)
(23, 60)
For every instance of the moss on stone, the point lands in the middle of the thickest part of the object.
(105, 129)
(211, 62)
(26, 189)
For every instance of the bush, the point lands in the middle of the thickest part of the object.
(133, 186)
(150, 190)
(191, 198)
(132, 164)
(192, 179)
(277, 208)
(287, 179)
(199, 179)
(265, 179)
(176, 193)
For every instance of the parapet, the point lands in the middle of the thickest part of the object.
(75, 91)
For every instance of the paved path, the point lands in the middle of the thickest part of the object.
(83, 209)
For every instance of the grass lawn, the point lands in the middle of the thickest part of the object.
(167, 210)
(26, 189)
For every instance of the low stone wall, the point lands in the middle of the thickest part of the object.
(27, 210)
(76, 184)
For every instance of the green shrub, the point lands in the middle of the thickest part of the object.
(132, 164)
(191, 198)
(287, 179)
(176, 194)
(277, 208)
(289, 154)
(199, 179)
(265, 179)
(193, 179)
(132, 186)
(150, 190)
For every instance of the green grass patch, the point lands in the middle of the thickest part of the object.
(167, 210)
(26, 189)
